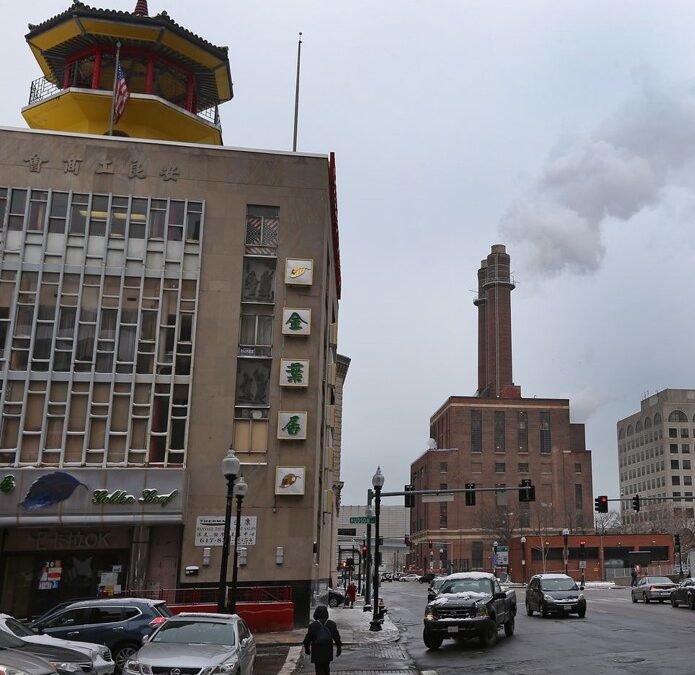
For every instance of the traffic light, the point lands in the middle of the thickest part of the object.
(527, 492)
(364, 546)
(677, 540)
(429, 542)
(636, 503)
(601, 504)
(470, 494)
(343, 564)
(409, 498)
(582, 550)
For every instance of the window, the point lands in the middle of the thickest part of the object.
(442, 514)
(577, 467)
(175, 224)
(443, 467)
(685, 448)
(545, 433)
(686, 464)
(476, 431)
(677, 416)
(499, 431)
(262, 225)
(522, 467)
(194, 216)
(18, 203)
(477, 555)
(674, 464)
(522, 430)
(258, 280)
(500, 495)
(673, 448)
(578, 496)
(684, 433)
(500, 467)
(687, 480)
(37, 210)
(672, 433)
(675, 480)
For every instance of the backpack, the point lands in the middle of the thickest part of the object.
(323, 635)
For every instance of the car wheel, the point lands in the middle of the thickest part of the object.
(674, 602)
(645, 598)
(529, 611)
(509, 627)
(582, 612)
(691, 602)
(122, 654)
(544, 611)
(332, 602)
(431, 641)
(634, 598)
(488, 635)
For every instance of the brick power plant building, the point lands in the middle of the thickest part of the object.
(497, 438)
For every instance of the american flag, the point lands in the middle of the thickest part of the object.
(121, 96)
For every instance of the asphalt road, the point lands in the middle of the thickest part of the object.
(616, 637)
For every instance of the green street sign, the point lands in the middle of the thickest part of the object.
(362, 520)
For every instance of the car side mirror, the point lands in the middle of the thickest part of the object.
(145, 639)
(431, 596)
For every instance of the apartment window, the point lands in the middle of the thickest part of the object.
(500, 467)
(262, 225)
(252, 383)
(672, 433)
(258, 280)
(673, 448)
(684, 431)
(477, 555)
(545, 433)
(687, 480)
(577, 467)
(686, 464)
(256, 334)
(685, 448)
(443, 467)
(674, 464)
(499, 424)
(522, 467)
(578, 496)
(522, 430)
(476, 431)
(675, 480)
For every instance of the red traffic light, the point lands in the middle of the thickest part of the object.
(582, 543)
(364, 549)
(429, 543)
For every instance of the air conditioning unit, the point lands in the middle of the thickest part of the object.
(333, 335)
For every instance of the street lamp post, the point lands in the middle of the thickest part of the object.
(240, 490)
(523, 559)
(565, 537)
(368, 556)
(230, 470)
(494, 558)
(377, 484)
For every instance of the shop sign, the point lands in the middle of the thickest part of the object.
(51, 574)
(209, 531)
(47, 540)
(148, 496)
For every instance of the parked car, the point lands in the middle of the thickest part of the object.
(652, 588)
(118, 623)
(64, 661)
(434, 587)
(684, 593)
(387, 576)
(410, 577)
(469, 604)
(197, 642)
(13, 661)
(333, 597)
(100, 656)
(554, 594)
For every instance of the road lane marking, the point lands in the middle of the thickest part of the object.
(291, 661)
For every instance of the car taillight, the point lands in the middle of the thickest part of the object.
(652, 588)
(157, 621)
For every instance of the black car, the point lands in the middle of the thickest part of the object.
(333, 598)
(64, 661)
(684, 594)
(15, 661)
(118, 623)
(554, 594)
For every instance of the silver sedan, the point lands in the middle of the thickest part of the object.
(196, 643)
(652, 588)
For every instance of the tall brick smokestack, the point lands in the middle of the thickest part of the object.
(495, 326)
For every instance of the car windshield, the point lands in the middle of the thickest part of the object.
(196, 632)
(659, 580)
(7, 640)
(465, 586)
(18, 629)
(559, 585)
(437, 584)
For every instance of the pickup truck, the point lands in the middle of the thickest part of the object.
(469, 604)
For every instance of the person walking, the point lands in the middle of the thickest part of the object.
(633, 574)
(352, 593)
(319, 640)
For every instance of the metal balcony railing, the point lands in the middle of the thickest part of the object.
(43, 88)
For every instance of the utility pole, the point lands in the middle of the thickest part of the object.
(368, 557)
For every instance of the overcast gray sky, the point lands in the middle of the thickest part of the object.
(565, 130)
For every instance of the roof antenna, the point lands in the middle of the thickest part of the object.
(296, 93)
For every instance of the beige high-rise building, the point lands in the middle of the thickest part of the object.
(162, 297)
(656, 447)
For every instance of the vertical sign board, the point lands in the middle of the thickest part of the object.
(502, 555)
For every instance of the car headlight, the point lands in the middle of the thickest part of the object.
(429, 615)
(8, 670)
(222, 669)
(548, 598)
(135, 666)
(67, 666)
(481, 610)
(581, 597)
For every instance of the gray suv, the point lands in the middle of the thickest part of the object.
(554, 594)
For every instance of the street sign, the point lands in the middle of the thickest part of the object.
(503, 555)
(437, 498)
(362, 520)
(582, 564)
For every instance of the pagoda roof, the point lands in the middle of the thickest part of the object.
(81, 26)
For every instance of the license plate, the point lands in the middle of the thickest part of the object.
(453, 629)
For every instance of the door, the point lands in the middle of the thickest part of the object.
(247, 649)
(67, 624)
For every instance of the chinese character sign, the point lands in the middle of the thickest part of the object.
(292, 425)
(209, 531)
(296, 321)
(294, 372)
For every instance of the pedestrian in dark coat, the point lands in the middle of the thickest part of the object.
(319, 641)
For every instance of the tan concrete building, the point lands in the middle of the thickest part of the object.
(495, 440)
(656, 447)
(160, 300)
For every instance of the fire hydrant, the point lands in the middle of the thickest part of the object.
(382, 608)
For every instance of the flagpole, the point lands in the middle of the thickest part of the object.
(296, 94)
(115, 81)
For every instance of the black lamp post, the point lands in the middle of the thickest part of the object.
(240, 490)
(377, 484)
(230, 470)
